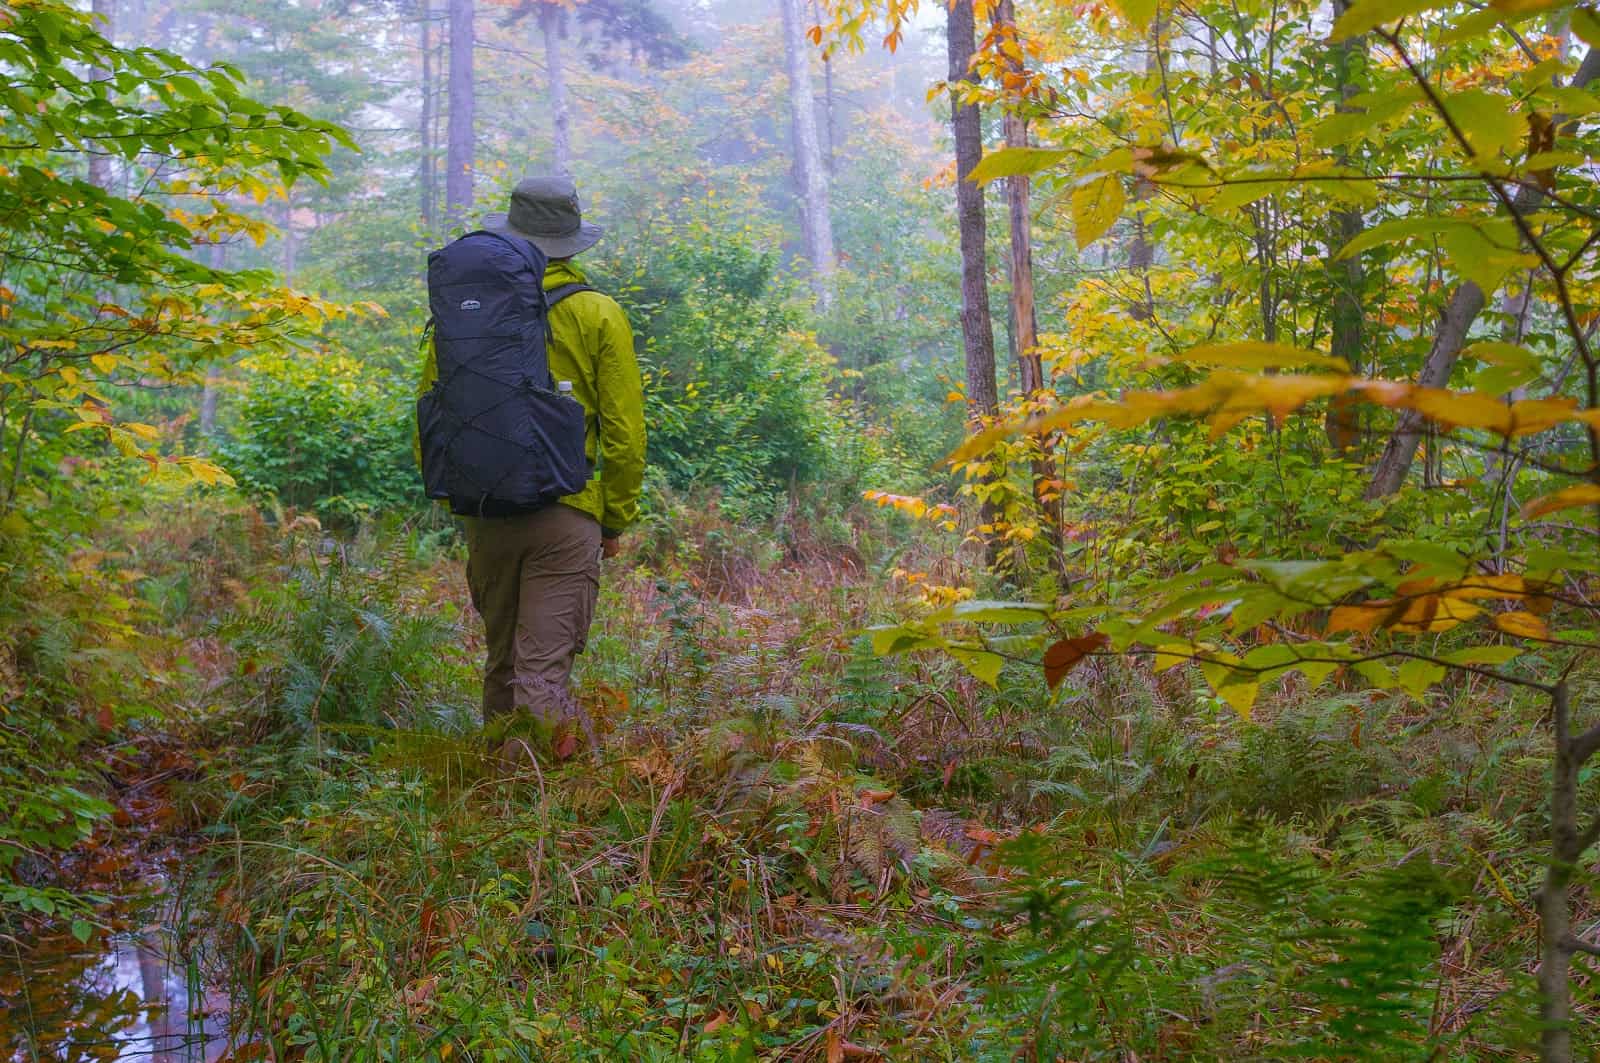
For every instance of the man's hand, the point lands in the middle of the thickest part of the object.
(610, 548)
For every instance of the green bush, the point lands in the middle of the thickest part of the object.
(737, 391)
(323, 432)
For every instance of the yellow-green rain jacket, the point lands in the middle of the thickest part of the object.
(592, 346)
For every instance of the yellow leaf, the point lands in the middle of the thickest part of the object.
(1535, 415)
(106, 363)
(1170, 655)
(1506, 585)
(143, 431)
(1261, 355)
(1566, 498)
(1096, 206)
(1523, 625)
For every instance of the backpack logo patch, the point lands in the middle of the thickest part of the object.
(470, 304)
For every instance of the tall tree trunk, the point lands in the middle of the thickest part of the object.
(105, 13)
(1463, 309)
(1346, 276)
(552, 23)
(459, 134)
(977, 332)
(290, 248)
(1451, 336)
(816, 216)
(208, 395)
(1141, 249)
(1025, 323)
(829, 134)
(425, 161)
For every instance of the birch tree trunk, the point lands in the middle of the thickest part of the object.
(816, 219)
(552, 24)
(459, 133)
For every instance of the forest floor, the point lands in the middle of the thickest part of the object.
(783, 847)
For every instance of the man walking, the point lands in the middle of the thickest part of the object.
(534, 577)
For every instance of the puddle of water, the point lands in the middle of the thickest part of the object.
(127, 995)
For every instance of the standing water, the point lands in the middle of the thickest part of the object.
(133, 993)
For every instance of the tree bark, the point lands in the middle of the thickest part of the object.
(1451, 336)
(459, 133)
(977, 331)
(552, 23)
(816, 218)
(1567, 844)
(1030, 371)
(1141, 249)
(208, 394)
(425, 167)
(1465, 305)
(1346, 276)
(105, 13)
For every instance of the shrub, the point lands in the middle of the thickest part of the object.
(324, 432)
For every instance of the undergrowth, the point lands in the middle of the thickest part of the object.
(786, 848)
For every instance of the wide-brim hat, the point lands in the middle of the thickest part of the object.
(545, 212)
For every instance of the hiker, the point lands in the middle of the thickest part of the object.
(533, 547)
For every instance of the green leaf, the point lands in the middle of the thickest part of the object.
(1137, 13)
(1236, 192)
(994, 612)
(1366, 15)
(1237, 688)
(1483, 655)
(1487, 120)
(1416, 676)
(1485, 253)
(1396, 230)
(1273, 658)
(1096, 206)
(1377, 673)
(1586, 25)
(892, 639)
(81, 929)
(1015, 162)
(981, 663)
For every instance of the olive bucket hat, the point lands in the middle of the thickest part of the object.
(544, 211)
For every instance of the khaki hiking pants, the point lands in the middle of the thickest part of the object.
(534, 579)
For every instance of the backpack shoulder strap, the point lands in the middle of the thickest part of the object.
(555, 295)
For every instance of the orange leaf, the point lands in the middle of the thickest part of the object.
(1065, 655)
(872, 797)
(1431, 613)
(1567, 498)
(1523, 625)
(1360, 618)
(717, 1022)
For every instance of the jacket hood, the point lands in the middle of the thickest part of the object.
(558, 273)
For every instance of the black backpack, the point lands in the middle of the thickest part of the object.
(497, 437)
